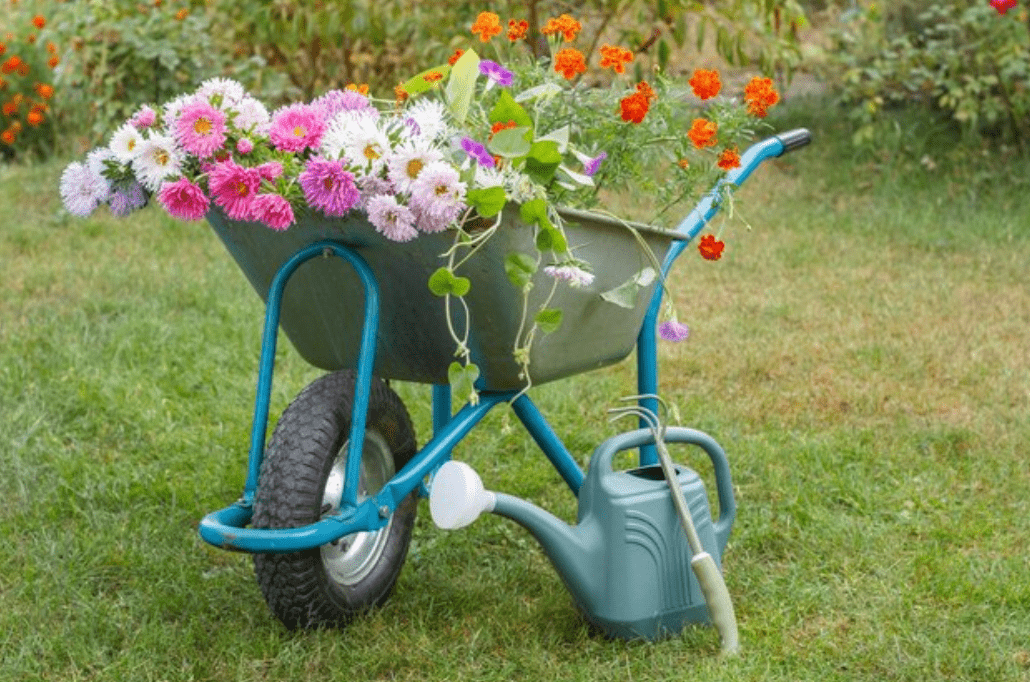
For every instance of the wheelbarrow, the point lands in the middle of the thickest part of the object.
(329, 503)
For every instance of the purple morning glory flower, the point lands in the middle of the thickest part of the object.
(591, 166)
(477, 151)
(495, 72)
(671, 330)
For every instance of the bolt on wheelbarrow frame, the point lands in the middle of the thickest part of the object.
(228, 527)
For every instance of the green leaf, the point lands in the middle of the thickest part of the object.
(511, 143)
(443, 282)
(520, 269)
(550, 239)
(462, 84)
(542, 161)
(549, 319)
(462, 379)
(488, 201)
(625, 295)
(507, 109)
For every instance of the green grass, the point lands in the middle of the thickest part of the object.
(861, 354)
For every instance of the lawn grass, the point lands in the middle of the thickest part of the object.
(861, 354)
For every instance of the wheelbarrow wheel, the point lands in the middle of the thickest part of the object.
(302, 479)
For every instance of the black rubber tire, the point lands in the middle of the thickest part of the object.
(307, 446)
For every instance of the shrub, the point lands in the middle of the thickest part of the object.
(959, 60)
(27, 60)
(126, 53)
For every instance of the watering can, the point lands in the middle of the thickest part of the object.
(626, 561)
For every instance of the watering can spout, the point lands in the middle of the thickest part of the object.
(457, 498)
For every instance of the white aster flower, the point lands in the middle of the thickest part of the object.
(405, 163)
(359, 139)
(83, 189)
(426, 119)
(228, 92)
(251, 116)
(126, 142)
(170, 112)
(159, 157)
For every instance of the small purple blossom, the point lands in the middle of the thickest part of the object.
(495, 72)
(391, 219)
(674, 331)
(571, 273)
(477, 151)
(124, 200)
(591, 165)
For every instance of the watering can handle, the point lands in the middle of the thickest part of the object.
(607, 450)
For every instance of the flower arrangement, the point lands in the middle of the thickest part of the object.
(461, 142)
(26, 85)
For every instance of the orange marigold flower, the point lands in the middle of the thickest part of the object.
(683, 163)
(432, 77)
(760, 94)
(487, 25)
(453, 59)
(7, 137)
(729, 159)
(705, 83)
(565, 25)
(50, 47)
(615, 57)
(702, 133)
(23, 69)
(3, 48)
(182, 14)
(363, 88)
(569, 62)
(53, 62)
(31, 39)
(9, 108)
(11, 65)
(44, 90)
(38, 21)
(34, 118)
(710, 248)
(634, 107)
(647, 91)
(517, 29)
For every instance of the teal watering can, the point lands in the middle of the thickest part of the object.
(626, 561)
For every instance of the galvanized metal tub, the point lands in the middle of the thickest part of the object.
(323, 302)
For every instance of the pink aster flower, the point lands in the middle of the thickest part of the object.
(391, 219)
(244, 145)
(200, 128)
(270, 170)
(272, 210)
(671, 330)
(437, 197)
(297, 127)
(184, 199)
(144, 118)
(329, 187)
(233, 188)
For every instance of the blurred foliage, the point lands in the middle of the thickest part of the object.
(126, 53)
(958, 60)
(28, 57)
(119, 54)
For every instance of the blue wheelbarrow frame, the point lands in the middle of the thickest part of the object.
(228, 527)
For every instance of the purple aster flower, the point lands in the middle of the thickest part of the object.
(495, 72)
(336, 101)
(200, 128)
(272, 210)
(297, 127)
(477, 151)
(393, 220)
(124, 200)
(183, 199)
(573, 274)
(671, 330)
(591, 165)
(329, 187)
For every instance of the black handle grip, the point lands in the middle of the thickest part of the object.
(795, 139)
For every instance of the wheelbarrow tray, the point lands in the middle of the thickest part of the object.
(323, 302)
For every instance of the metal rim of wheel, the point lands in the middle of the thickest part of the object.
(352, 558)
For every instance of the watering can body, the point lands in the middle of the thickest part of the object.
(627, 561)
